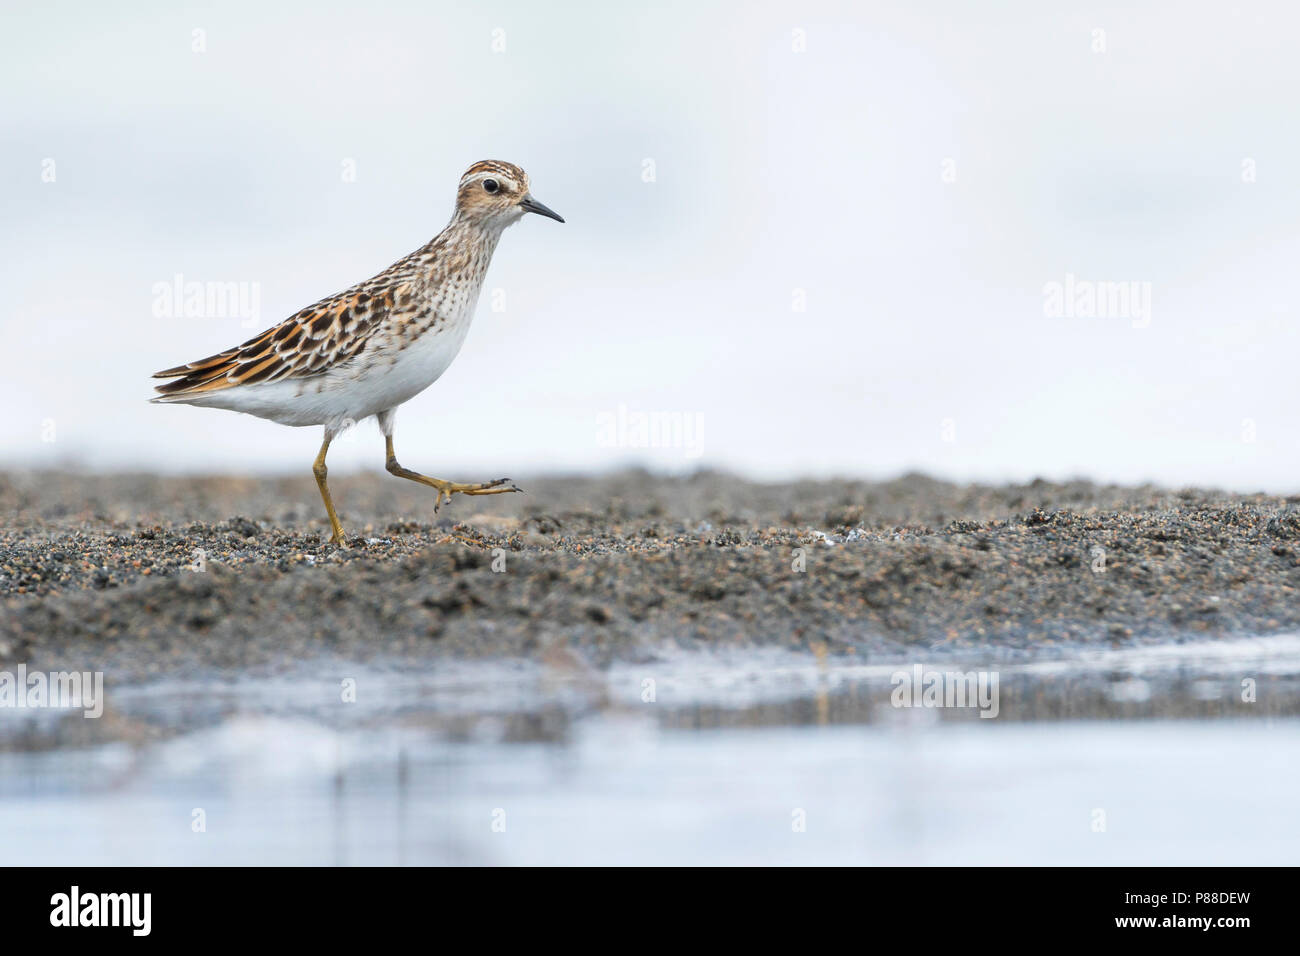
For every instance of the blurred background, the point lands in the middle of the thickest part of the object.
(820, 236)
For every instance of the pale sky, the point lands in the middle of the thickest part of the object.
(819, 234)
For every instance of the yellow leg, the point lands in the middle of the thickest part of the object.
(444, 488)
(320, 471)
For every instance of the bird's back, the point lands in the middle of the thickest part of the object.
(382, 340)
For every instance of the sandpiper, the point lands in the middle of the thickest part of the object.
(376, 345)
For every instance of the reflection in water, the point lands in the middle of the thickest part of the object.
(753, 758)
(621, 790)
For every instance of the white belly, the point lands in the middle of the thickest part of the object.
(372, 383)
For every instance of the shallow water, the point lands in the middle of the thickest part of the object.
(1136, 756)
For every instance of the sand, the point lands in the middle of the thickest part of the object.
(143, 576)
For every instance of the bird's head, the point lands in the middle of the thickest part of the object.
(495, 194)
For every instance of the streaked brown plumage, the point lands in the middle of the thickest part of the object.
(366, 350)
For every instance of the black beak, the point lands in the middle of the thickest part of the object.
(529, 204)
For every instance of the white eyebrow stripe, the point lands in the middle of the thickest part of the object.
(489, 174)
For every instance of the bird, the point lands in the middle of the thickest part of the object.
(367, 350)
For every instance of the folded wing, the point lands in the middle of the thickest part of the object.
(308, 343)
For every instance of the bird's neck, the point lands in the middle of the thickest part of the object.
(463, 239)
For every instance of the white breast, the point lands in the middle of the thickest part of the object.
(391, 377)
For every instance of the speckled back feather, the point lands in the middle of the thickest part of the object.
(402, 302)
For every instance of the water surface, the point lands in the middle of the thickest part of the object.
(1136, 756)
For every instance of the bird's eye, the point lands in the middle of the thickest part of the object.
(491, 185)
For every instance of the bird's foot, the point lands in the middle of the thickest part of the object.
(446, 489)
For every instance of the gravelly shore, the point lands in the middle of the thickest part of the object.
(98, 571)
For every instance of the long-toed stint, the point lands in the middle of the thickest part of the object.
(367, 350)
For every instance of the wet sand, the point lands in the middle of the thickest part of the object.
(103, 571)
